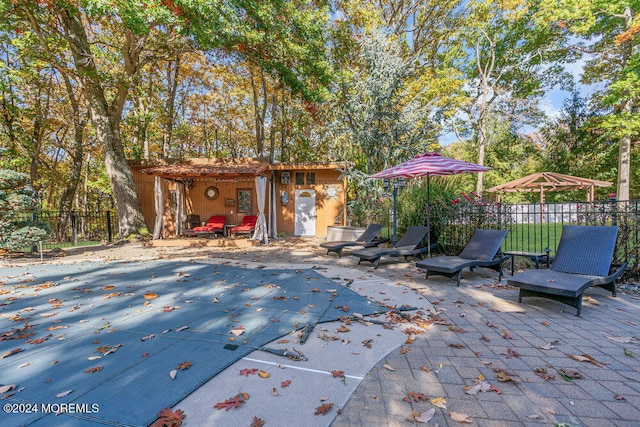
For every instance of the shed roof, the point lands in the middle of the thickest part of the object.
(214, 168)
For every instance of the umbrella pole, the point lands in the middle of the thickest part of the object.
(428, 216)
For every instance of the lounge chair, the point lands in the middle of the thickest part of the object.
(189, 224)
(409, 245)
(583, 259)
(214, 225)
(247, 226)
(481, 251)
(369, 238)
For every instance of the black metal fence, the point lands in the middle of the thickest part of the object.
(536, 227)
(76, 228)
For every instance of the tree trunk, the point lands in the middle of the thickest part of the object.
(173, 73)
(106, 122)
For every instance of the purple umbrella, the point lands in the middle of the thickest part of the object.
(428, 164)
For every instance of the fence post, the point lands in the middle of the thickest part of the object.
(34, 218)
(614, 210)
(109, 230)
(74, 229)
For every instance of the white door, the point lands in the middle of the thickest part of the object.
(305, 213)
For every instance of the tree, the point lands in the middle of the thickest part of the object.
(503, 58)
(606, 32)
(16, 199)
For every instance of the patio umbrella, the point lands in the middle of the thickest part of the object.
(428, 165)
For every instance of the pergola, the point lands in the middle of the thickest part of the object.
(542, 182)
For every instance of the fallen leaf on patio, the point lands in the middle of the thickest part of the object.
(416, 397)
(628, 353)
(456, 345)
(426, 416)
(534, 417)
(404, 351)
(551, 411)
(233, 402)
(184, 365)
(247, 372)
(173, 374)
(285, 383)
(11, 352)
(367, 343)
(388, 367)
(324, 398)
(479, 386)
(92, 370)
(6, 388)
(502, 375)
(542, 373)
(323, 409)
(544, 323)
(623, 340)
(257, 422)
(64, 393)
(425, 368)
(342, 328)
(274, 392)
(569, 374)
(283, 341)
(457, 330)
(491, 325)
(169, 418)
(460, 418)
(506, 335)
(585, 358)
(549, 345)
(485, 339)
(263, 374)
(337, 374)
(512, 353)
(439, 402)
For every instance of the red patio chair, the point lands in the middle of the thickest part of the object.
(247, 227)
(214, 225)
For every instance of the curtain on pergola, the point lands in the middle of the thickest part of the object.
(260, 232)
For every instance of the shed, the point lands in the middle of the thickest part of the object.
(302, 199)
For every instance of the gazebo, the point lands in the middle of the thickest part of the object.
(542, 182)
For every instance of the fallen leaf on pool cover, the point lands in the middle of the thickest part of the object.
(6, 388)
(64, 393)
(184, 365)
(460, 418)
(323, 409)
(11, 353)
(169, 418)
(338, 374)
(440, 402)
(173, 374)
(94, 369)
(233, 402)
(150, 295)
(285, 383)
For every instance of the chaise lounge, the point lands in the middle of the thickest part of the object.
(409, 245)
(247, 226)
(369, 238)
(481, 251)
(214, 225)
(583, 259)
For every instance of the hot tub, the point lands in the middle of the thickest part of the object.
(342, 232)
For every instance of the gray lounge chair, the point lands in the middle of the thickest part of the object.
(583, 259)
(369, 238)
(481, 251)
(409, 245)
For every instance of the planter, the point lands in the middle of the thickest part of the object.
(343, 233)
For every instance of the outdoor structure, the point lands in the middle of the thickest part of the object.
(542, 182)
(300, 199)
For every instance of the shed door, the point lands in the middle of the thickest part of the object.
(305, 213)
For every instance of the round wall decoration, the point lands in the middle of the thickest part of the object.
(211, 193)
(332, 191)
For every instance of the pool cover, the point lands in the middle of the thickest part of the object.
(114, 343)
